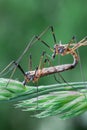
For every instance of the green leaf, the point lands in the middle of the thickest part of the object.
(63, 100)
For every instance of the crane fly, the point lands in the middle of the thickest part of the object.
(59, 49)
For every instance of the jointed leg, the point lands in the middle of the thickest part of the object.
(47, 60)
(16, 64)
(32, 41)
(37, 37)
(54, 38)
(41, 59)
(83, 42)
(71, 42)
(79, 45)
(7, 67)
(30, 62)
(84, 39)
(20, 68)
(53, 34)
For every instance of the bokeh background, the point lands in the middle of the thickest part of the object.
(19, 21)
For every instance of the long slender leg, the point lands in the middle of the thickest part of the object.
(41, 59)
(52, 30)
(60, 77)
(25, 75)
(37, 37)
(8, 66)
(37, 73)
(72, 52)
(20, 68)
(36, 83)
(53, 34)
(18, 60)
(30, 62)
(33, 40)
(54, 38)
(71, 41)
(37, 69)
(83, 42)
(78, 45)
(84, 39)
(80, 64)
(15, 66)
(47, 60)
(3, 72)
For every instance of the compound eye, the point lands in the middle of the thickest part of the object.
(61, 50)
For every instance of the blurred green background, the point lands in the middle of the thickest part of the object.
(19, 21)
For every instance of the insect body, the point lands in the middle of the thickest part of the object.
(36, 75)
